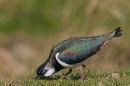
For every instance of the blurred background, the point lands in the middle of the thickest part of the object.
(29, 29)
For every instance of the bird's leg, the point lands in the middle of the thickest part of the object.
(70, 70)
(83, 72)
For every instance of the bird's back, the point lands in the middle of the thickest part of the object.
(78, 49)
(75, 50)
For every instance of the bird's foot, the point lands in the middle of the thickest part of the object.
(70, 70)
(81, 79)
(63, 77)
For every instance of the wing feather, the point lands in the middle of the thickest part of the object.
(79, 50)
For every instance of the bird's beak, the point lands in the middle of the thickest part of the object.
(37, 78)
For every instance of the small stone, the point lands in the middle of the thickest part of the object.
(113, 76)
(100, 84)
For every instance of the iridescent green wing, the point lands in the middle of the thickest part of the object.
(78, 49)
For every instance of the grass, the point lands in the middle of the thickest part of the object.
(91, 79)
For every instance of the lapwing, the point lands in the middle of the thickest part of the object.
(73, 52)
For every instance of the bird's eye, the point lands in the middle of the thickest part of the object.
(40, 72)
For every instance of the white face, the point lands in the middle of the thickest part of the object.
(49, 72)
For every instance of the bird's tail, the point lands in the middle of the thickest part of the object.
(117, 32)
(107, 37)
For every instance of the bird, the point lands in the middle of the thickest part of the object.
(73, 52)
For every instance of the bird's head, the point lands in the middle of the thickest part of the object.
(45, 70)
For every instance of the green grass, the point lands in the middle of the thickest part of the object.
(91, 79)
